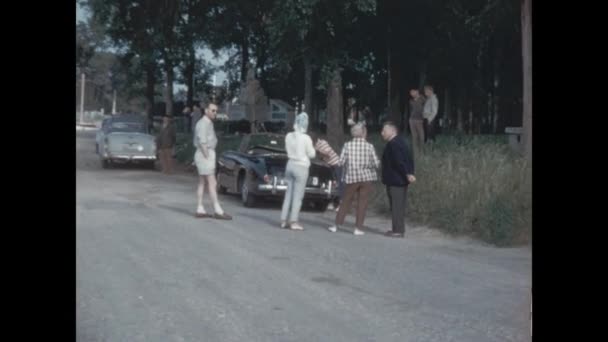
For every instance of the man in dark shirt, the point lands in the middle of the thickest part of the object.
(397, 174)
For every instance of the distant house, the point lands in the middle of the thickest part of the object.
(279, 110)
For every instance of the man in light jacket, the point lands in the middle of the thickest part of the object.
(431, 106)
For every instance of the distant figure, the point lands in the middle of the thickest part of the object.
(165, 142)
(299, 151)
(397, 174)
(416, 119)
(360, 163)
(431, 105)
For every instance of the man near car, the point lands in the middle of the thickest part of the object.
(205, 160)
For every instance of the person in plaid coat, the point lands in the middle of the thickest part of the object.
(360, 163)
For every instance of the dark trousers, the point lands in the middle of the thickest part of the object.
(429, 130)
(396, 198)
(362, 190)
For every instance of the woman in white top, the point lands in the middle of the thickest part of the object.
(299, 151)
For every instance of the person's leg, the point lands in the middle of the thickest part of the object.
(390, 205)
(349, 193)
(287, 200)
(299, 188)
(365, 190)
(398, 214)
(340, 185)
(212, 188)
(425, 126)
(420, 128)
(200, 209)
(414, 133)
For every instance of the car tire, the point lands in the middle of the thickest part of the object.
(150, 165)
(247, 197)
(321, 205)
(220, 189)
(105, 163)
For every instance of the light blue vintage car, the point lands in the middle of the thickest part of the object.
(125, 139)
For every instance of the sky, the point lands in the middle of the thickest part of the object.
(82, 15)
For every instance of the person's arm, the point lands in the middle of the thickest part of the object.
(343, 156)
(374, 156)
(432, 110)
(310, 150)
(201, 133)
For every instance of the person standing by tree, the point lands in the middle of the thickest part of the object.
(165, 141)
(431, 105)
(397, 174)
(360, 164)
(416, 119)
(299, 151)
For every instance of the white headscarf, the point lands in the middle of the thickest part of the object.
(301, 123)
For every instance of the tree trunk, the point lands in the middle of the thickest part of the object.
(307, 84)
(169, 87)
(190, 77)
(244, 58)
(388, 78)
(526, 31)
(150, 84)
(422, 76)
(447, 113)
(335, 119)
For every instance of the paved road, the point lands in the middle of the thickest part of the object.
(148, 271)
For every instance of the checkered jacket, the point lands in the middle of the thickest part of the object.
(360, 162)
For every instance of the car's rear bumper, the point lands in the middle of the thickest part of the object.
(128, 157)
(309, 192)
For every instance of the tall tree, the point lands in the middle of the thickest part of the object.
(526, 22)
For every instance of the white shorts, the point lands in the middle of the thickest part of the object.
(205, 166)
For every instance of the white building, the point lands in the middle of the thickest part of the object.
(279, 110)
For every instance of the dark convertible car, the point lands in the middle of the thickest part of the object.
(257, 169)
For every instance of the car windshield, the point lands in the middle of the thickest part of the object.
(270, 142)
(124, 126)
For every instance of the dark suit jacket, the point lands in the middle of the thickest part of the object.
(397, 163)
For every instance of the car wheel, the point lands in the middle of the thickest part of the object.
(247, 197)
(220, 189)
(321, 205)
(151, 165)
(105, 163)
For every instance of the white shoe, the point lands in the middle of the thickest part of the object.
(330, 206)
(333, 229)
(358, 232)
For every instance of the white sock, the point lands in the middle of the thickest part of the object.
(200, 210)
(218, 210)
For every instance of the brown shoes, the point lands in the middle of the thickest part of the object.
(202, 215)
(223, 216)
